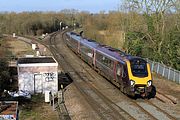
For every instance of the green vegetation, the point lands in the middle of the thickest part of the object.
(36, 109)
(145, 28)
(27, 109)
(4, 75)
(151, 29)
(4, 66)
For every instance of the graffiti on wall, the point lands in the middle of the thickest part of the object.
(49, 76)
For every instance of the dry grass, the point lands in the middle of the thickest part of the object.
(20, 48)
(37, 109)
(113, 38)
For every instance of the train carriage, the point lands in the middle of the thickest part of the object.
(87, 49)
(105, 63)
(73, 41)
(131, 74)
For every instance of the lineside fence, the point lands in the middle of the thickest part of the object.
(167, 72)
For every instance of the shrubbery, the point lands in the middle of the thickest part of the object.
(4, 74)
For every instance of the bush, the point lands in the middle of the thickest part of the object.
(4, 75)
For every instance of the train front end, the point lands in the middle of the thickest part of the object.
(140, 78)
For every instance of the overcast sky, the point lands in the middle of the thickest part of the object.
(58, 5)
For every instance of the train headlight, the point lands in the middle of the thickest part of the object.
(149, 83)
(132, 82)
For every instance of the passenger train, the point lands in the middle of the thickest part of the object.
(131, 74)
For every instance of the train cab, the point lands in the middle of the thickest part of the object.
(139, 77)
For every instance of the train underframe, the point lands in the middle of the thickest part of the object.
(145, 92)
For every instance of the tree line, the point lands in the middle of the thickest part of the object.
(145, 28)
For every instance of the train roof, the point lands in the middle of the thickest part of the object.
(90, 43)
(110, 52)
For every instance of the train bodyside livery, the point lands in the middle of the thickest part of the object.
(131, 74)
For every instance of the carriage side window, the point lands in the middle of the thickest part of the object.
(86, 50)
(74, 42)
(98, 57)
(108, 62)
(104, 60)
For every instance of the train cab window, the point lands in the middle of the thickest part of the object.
(139, 68)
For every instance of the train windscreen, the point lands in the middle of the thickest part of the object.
(139, 68)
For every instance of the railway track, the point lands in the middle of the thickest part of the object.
(147, 112)
(97, 101)
(165, 98)
(151, 114)
(164, 114)
(104, 106)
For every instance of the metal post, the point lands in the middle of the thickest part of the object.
(61, 95)
(50, 98)
(158, 68)
(147, 59)
(53, 101)
(152, 66)
(62, 88)
(34, 83)
(163, 70)
(169, 74)
(174, 77)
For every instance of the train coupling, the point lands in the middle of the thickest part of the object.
(140, 90)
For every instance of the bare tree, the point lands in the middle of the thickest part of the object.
(156, 9)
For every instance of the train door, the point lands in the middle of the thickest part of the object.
(125, 79)
(120, 76)
(118, 73)
(91, 56)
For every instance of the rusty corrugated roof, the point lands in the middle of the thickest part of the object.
(8, 107)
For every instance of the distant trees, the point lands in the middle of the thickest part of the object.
(32, 23)
(146, 28)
